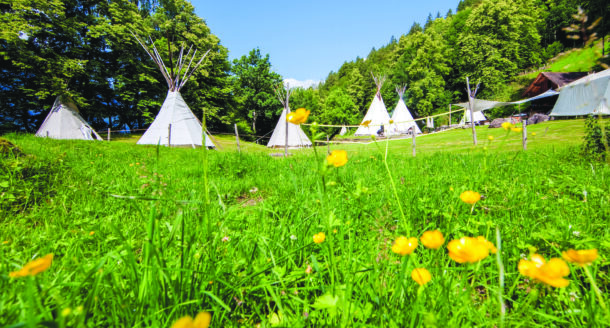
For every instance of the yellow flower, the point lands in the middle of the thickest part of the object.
(421, 276)
(581, 257)
(533, 133)
(490, 138)
(391, 121)
(468, 249)
(366, 123)
(487, 244)
(404, 246)
(34, 267)
(319, 237)
(432, 239)
(337, 158)
(516, 129)
(202, 320)
(507, 125)
(470, 197)
(550, 273)
(299, 116)
(91, 233)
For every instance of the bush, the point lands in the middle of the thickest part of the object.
(596, 139)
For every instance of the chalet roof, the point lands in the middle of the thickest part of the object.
(551, 80)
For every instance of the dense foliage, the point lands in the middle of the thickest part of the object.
(85, 49)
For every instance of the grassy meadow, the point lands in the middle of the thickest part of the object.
(142, 236)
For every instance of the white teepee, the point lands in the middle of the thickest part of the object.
(478, 117)
(65, 122)
(175, 124)
(403, 121)
(285, 133)
(377, 115)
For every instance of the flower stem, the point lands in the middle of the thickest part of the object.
(402, 213)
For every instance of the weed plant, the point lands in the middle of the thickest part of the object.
(137, 241)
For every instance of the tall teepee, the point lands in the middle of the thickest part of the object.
(65, 122)
(403, 121)
(377, 115)
(286, 134)
(175, 124)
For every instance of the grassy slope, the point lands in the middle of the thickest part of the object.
(535, 198)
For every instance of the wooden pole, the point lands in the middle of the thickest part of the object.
(524, 133)
(413, 136)
(327, 145)
(108, 137)
(450, 116)
(286, 144)
(470, 106)
(237, 138)
(169, 135)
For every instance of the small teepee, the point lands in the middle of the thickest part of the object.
(65, 122)
(403, 121)
(175, 124)
(286, 134)
(478, 117)
(377, 115)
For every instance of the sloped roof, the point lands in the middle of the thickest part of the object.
(551, 80)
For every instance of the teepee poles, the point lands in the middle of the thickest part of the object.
(174, 75)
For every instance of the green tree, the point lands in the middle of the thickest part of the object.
(254, 83)
(500, 38)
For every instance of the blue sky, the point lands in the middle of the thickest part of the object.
(306, 40)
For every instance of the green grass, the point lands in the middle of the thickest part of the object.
(158, 252)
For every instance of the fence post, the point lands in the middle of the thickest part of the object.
(169, 136)
(237, 138)
(413, 135)
(524, 133)
(327, 145)
(108, 137)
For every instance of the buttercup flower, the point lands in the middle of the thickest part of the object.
(490, 138)
(391, 121)
(533, 133)
(34, 267)
(468, 249)
(421, 276)
(487, 244)
(366, 123)
(516, 129)
(581, 257)
(299, 116)
(470, 197)
(507, 125)
(404, 246)
(319, 237)
(432, 239)
(202, 320)
(337, 158)
(550, 273)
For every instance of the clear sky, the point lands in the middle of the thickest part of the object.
(306, 40)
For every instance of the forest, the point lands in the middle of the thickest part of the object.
(85, 49)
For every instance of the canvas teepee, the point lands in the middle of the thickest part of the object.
(377, 115)
(65, 122)
(403, 121)
(286, 134)
(478, 117)
(175, 124)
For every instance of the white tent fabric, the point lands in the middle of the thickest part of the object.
(176, 115)
(378, 115)
(343, 131)
(586, 96)
(65, 122)
(403, 121)
(478, 117)
(296, 137)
